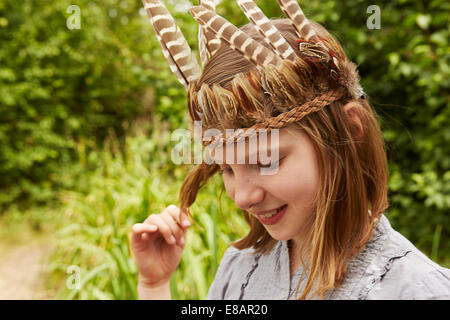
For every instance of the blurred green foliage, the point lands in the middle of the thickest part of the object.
(126, 187)
(60, 86)
(63, 93)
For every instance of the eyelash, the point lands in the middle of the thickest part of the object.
(229, 170)
(223, 171)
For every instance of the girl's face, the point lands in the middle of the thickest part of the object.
(293, 187)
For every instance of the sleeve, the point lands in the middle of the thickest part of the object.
(434, 285)
(412, 277)
(227, 266)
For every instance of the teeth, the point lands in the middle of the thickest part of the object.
(270, 214)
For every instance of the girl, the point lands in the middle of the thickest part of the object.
(317, 228)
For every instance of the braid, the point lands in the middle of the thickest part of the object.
(295, 114)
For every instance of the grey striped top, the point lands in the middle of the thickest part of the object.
(389, 267)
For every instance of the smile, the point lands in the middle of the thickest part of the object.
(272, 217)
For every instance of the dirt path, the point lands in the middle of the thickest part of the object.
(21, 269)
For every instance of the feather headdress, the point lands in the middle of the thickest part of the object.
(280, 75)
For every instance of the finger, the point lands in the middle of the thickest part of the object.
(180, 218)
(148, 220)
(144, 227)
(139, 232)
(176, 230)
(163, 227)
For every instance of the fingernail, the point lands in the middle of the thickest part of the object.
(186, 222)
(172, 239)
(182, 241)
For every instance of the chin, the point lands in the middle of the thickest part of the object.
(279, 236)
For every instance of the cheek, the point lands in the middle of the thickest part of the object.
(300, 185)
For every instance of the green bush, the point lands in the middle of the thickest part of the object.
(59, 86)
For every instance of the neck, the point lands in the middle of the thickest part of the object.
(297, 254)
(294, 260)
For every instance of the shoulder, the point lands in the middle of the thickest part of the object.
(234, 257)
(407, 273)
(415, 276)
(234, 264)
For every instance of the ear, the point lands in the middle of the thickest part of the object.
(352, 111)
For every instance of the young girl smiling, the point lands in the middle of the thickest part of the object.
(317, 224)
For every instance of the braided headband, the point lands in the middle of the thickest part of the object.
(279, 74)
(280, 121)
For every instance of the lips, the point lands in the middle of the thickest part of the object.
(268, 211)
(272, 217)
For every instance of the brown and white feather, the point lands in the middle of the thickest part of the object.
(208, 43)
(174, 45)
(271, 34)
(298, 19)
(236, 39)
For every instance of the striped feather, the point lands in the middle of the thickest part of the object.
(172, 64)
(271, 34)
(293, 11)
(212, 42)
(207, 41)
(236, 39)
(174, 45)
(208, 4)
(204, 54)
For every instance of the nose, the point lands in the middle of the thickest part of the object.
(248, 192)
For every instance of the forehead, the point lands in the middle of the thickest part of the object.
(256, 148)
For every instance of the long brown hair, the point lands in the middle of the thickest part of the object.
(353, 171)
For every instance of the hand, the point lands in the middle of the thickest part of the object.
(157, 245)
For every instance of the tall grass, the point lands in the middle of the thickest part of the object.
(125, 188)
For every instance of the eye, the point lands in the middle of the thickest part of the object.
(226, 170)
